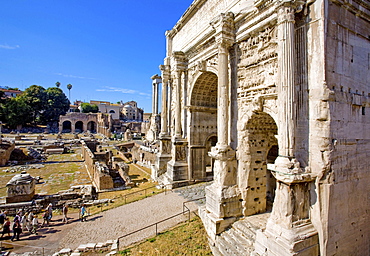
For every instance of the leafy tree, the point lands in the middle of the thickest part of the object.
(35, 97)
(56, 104)
(57, 84)
(89, 108)
(16, 112)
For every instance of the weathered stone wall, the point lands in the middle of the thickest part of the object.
(6, 149)
(344, 186)
(96, 165)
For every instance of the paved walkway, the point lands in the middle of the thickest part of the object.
(111, 224)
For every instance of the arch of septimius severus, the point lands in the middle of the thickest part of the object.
(271, 99)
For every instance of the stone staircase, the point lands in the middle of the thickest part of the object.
(240, 237)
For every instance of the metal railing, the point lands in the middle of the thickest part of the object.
(163, 189)
(185, 210)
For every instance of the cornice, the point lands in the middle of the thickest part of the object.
(360, 7)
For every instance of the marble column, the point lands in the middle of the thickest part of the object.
(164, 155)
(153, 132)
(290, 218)
(178, 104)
(222, 197)
(177, 167)
(164, 106)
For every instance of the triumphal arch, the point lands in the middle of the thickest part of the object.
(270, 99)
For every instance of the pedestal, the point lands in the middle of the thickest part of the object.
(163, 157)
(223, 199)
(289, 230)
(177, 167)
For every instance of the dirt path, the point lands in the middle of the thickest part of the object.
(108, 225)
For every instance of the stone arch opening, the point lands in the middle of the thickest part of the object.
(79, 126)
(263, 150)
(91, 126)
(112, 111)
(203, 120)
(67, 126)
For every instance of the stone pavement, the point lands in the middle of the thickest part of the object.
(103, 229)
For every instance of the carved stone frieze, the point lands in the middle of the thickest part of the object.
(257, 68)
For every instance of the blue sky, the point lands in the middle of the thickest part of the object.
(107, 49)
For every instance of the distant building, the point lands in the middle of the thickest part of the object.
(130, 112)
(10, 93)
(109, 108)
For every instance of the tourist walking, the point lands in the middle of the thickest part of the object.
(17, 229)
(2, 218)
(46, 219)
(65, 211)
(49, 209)
(24, 222)
(83, 213)
(6, 227)
(35, 225)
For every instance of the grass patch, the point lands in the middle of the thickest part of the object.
(185, 239)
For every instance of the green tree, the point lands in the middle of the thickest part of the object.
(89, 108)
(35, 97)
(56, 104)
(16, 112)
(57, 84)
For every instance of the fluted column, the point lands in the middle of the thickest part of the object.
(164, 106)
(178, 104)
(223, 92)
(290, 218)
(287, 92)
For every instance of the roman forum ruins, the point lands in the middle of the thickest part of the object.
(271, 98)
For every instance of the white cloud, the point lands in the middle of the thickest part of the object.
(122, 90)
(73, 76)
(8, 47)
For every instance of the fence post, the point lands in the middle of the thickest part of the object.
(156, 229)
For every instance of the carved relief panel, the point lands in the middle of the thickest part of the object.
(257, 68)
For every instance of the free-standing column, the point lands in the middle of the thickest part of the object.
(287, 92)
(223, 92)
(290, 218)
(165, 83)
(178, 104)
(222, 196)
(156, 81)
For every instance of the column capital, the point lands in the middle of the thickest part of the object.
(225, 29)
(156, 79)
(165, 72)
(288, 8)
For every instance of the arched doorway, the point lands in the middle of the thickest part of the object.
(203, 125)
(79, 126)
(91, 126)
(263, 150)
(67, 126)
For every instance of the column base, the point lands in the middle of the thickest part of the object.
(222, 201)
(213, 224)
(301, 240)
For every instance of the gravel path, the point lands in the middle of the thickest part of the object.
(111, 224)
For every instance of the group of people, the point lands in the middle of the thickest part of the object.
(27, 221)
(21, 222)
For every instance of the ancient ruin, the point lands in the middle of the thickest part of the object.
(106, 172)
(271, 99)
(75, 122)
(20, 188)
